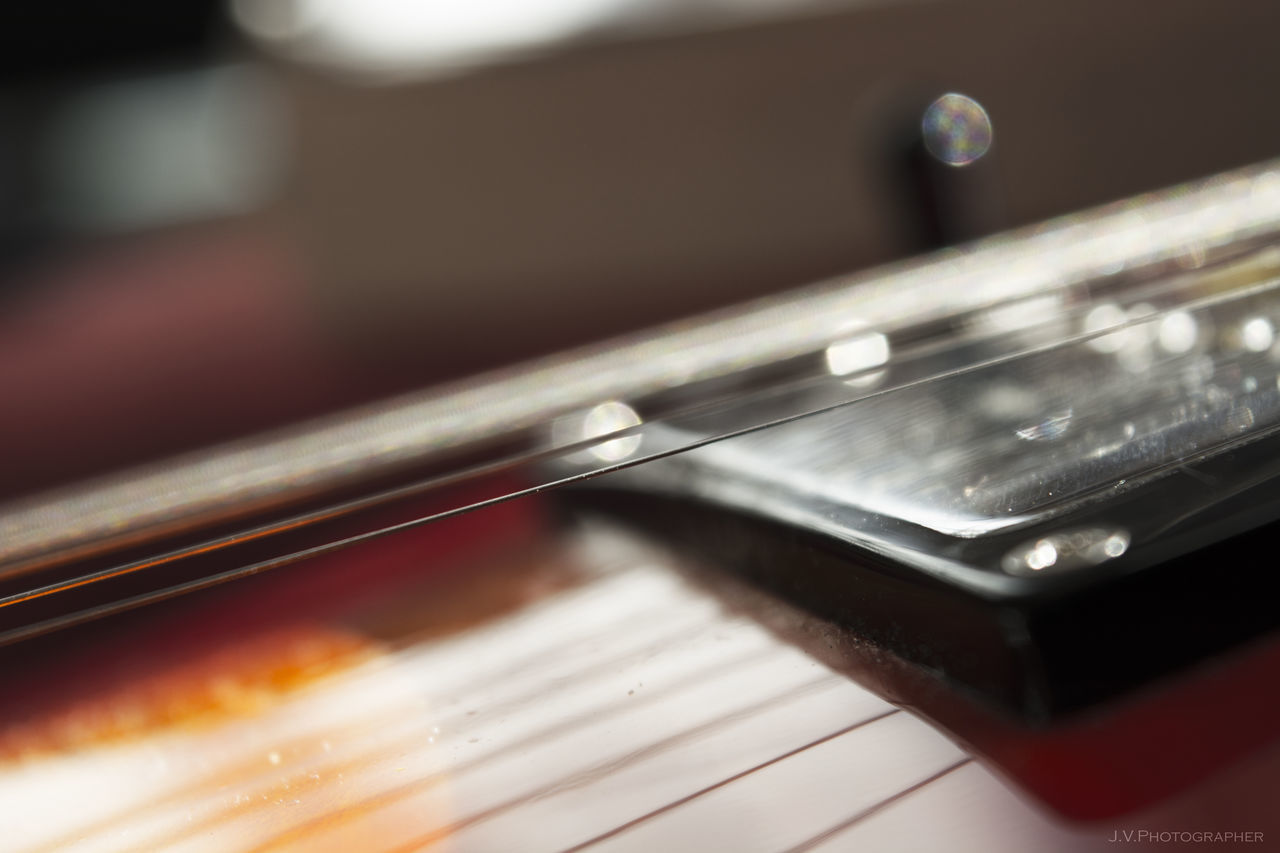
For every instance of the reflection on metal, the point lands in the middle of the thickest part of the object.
(599, 421)
(1257, 334)
(1178, 332)
(956, 129)
(606, 419)
(1106, 316)
(1015, 440)
(1053, 427)
(1020, 315)
(858, 353)
(758, 345)
(1065, 551)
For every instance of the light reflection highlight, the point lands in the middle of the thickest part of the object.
(1067, 550)
(1106, 316)
(1178, 332)
(862, 352)
(1042, 556)
(606, 419)
(403, 34)
(1257, 334)
(956, 129)
(1052, 427)
(1115, 545)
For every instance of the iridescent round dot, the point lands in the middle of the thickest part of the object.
(956, 129)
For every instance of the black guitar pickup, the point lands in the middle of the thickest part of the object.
(1048, 530)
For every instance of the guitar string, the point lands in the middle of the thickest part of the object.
(16, 634)
(728, 780)
(413, 737)
(472, 821)
(357, 760)
(604, 769)
(361, 725)
(408, 790)
(533, 456)
(875, 808)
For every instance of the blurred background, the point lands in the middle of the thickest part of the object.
(222, 216)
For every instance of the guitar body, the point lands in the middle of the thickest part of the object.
(525, 676)
(510, 680)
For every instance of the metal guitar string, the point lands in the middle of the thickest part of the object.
(1239, 212)
(1181, 227)
(318, 516)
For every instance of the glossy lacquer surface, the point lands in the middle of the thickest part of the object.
(504, 681)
